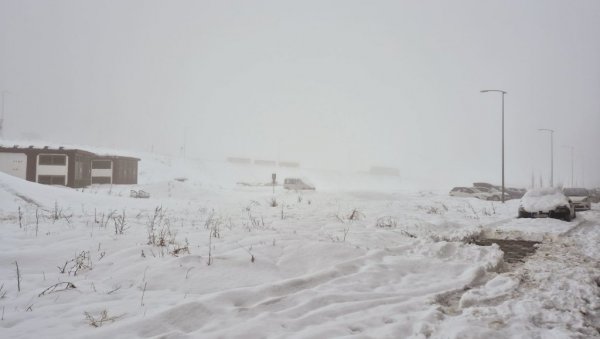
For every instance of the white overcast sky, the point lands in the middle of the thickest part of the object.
(331, 84)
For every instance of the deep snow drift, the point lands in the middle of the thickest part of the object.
(208, 257)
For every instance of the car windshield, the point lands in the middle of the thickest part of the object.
(576, 192)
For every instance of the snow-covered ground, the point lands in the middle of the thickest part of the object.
(362, 256)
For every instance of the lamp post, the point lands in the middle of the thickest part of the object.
(2, 117)
(503, 92)
(551, 154)
(572, 162)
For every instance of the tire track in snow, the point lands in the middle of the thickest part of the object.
(351, 296)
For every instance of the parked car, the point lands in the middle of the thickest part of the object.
(546, 203)
(297, 184)
(485, 185)
(595, 195)
(139, 194)
(476, 192)
(515, 193)
(580, 197)
(465, 192)
(509, 192)
(491, 193)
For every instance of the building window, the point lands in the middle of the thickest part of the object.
(101, 180)
(101, 164)
(51, 179)
(52, 159)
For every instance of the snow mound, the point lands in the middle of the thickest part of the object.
(543, 200)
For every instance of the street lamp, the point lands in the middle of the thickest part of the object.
(2, 116)
(551, 154)
(503, 92)
(572, 162)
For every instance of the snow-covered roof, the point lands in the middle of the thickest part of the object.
(97, 151)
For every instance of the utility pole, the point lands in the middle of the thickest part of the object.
(532, 180)
(503, 93)
(551, 154)
(582, 171)
(2, 117)
(572, 163)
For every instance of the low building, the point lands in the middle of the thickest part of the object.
(68, 167)
(380, 170)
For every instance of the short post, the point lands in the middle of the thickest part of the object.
(274, 178)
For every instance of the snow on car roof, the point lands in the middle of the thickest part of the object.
(543, 200)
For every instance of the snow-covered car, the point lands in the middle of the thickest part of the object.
(485, 185)
(482, 193)
(139, 194)
(492, 193)
(297, 184)
(580, 197)
(465, 192)
(546, 203)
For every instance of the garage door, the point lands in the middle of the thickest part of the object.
(14, 164)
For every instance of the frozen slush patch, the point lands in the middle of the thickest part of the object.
(497, 287)
(528, 229)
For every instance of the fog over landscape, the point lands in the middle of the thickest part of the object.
(299, 169)
(334, 85)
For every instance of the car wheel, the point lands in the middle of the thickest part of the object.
(567, 216)
(523, 214)
(495, 198)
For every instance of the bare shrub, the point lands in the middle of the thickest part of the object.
(337, 238)
(108, 218)
(180, 249)
(387, 222)
(160, 234)
(249, 251)
(120, 223)
(213, 224)
(56, 213)
(81, 262)
(18, 277)
(355, 215)
(37, 221)
(103, 317)
(254, 222)
(58, 287)
(214, 227)
(475, 215)
(433, 210)
(408, 234)
(153, 223)
(273, 202)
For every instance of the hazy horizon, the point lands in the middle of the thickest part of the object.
(334, 85)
